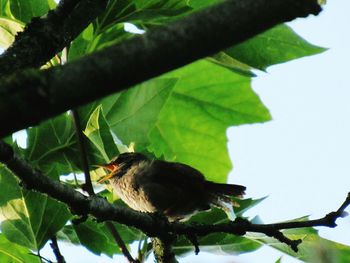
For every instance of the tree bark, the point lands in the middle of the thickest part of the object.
(51, 92)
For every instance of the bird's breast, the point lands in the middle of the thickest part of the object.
(128, 189)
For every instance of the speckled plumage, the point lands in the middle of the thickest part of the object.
(173, 189)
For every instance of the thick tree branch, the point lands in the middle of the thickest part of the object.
(152, 226)
(44, 37)
(48, 93)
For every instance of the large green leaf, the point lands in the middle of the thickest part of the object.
(134, 113)
(12, 253)
(28, 218)
(277, 45)
(8, 31)
(24, 10)
(129, 116)
(191, 128)
(52, 146)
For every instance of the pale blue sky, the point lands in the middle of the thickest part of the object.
(301, 158)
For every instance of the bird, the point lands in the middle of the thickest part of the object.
(172, 189)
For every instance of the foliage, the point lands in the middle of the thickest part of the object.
(182, 115)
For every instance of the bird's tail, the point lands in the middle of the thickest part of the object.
(226, 189)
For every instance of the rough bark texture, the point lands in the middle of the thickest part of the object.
(48, 93)
(44, 37)
(162, 251)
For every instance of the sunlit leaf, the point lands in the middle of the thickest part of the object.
(8, 31)
(28, 218)
(207, 99)
(277, 45)
(134, 113)
(98, 132)
(13, 253)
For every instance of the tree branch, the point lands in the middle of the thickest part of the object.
(83, 153)
(162, 248)
(53, 91)
(56, 250)
(152, 226)
(44, 37)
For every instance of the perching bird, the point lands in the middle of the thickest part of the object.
(175, 190)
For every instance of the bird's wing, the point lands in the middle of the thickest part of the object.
(178, 174)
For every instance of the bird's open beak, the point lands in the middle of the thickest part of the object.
(112, 168)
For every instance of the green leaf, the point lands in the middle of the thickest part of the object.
(133, 113)
(98, 132)
(144, 12)
(12, 253)
(217, 242)
(97, 238)
(246, 204)
(5, 9)
(111, 36)
(124, 118)
(28, 218)
(52, 146)
(8, 31)
(79, 46)
(277, 45)
(25, 10)
(191, 128)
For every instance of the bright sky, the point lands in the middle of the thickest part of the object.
(301, 158)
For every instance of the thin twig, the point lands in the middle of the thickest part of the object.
(56, 250)
(83, 154)
(90, 190)
(120, 242)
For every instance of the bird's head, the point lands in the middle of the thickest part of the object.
(120, 164)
